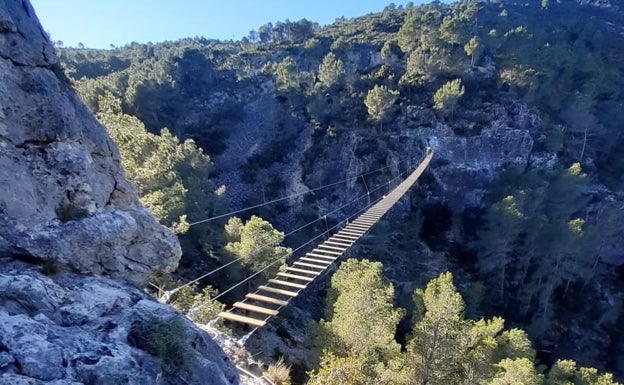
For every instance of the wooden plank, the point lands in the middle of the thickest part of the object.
(372, 214)
(355, 232)
(365, 222)
(363, 230)
(242, 319)
(365, 226)
(339, 242)
(293, 276)
(328, 247)
(316, 260)
(349, 238)
(352, 233)
(327, 257)
(369, 215)
(357, 226)
(254, 308)
(296, 270)
(269, 289)
(309, 265)
(264, 298)
(341, 238)
(286, 283)
(331, 252)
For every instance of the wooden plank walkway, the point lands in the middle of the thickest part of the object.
(258, 307)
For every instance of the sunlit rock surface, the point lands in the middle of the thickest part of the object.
(71, 329)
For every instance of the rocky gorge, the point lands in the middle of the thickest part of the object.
(522, 202)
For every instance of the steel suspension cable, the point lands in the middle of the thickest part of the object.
(167, 293)
(303, 245)
(285, 198)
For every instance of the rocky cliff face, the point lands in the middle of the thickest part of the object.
(64, 196)
(468, 156)
(66, 208)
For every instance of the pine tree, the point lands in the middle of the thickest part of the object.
(286, 75)
(362, 315)
(407, 35)
(360, 322)
(498, 241)
(565, 372)
(516, 371)
(447, 97)
(330, 70)
(473, 48)
(438, 325)
(513, 343)
(378, 101)
(448, 349)
(171, 177)
(337, 370)
(256, 242)
(452, 29)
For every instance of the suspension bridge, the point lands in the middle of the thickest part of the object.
(257, 307)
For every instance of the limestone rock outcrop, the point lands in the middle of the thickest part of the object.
(68, 329)
(64, 198)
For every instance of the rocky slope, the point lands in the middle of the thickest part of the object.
(66, 210)
(71, 329)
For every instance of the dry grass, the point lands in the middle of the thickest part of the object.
(278, 372)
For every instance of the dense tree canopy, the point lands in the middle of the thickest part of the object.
(330, 70)
(160, 166)
(444, 348)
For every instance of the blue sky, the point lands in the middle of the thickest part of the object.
(99, 23)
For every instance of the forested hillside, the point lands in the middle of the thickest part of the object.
(523, 103)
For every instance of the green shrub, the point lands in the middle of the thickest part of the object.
(165, 339)
(207, 307)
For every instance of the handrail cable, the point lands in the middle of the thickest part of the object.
(301, 246)
(242, 340)
(275, 261)
(285, 198)
(372, 214)
(291, 253)
(168, 293)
